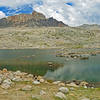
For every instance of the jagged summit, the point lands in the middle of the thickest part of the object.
(30, 20)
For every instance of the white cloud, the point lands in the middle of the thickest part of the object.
(2, 15)
(82, 12)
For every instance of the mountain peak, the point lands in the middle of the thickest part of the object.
(37, 15)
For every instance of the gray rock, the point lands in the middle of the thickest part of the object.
(27, 88)
(64, 90)
(60, 95)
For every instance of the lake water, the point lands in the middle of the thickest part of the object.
(35, 61)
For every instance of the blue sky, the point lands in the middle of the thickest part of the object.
(71, 12)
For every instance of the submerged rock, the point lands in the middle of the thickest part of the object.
(64, 90)
(60, 95)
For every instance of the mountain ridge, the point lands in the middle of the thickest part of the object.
(35, 19)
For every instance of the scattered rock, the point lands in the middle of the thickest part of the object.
(7, 81)
(60, 95)
(30, 76)
(83, 83)
(42, 92)
(61, 84)
(27, 88)
(36, 82)
(35, 97)
(5, 86)
(42, 80)
(4, 70)
(18, 73)
(56, 82)
(17, 79)
(4, 93)
(85, 87)
(72, 85)
(72, 89)
(0, 80)
(85, 99)
(64, 90)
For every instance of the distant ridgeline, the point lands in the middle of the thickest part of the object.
(30, 20)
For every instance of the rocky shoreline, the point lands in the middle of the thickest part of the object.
(9, 80)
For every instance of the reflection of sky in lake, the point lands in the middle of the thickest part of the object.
(78, 69)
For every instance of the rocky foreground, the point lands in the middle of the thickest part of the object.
(23, 86)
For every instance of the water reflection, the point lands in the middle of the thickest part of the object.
(88, 70)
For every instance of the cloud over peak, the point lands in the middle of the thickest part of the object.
(2, 15)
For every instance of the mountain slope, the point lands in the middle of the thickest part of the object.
(30, 20)
(90, 27)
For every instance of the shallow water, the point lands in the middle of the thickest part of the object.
(36, 62)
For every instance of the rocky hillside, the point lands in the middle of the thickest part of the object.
(49, 37)
(30, 20)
